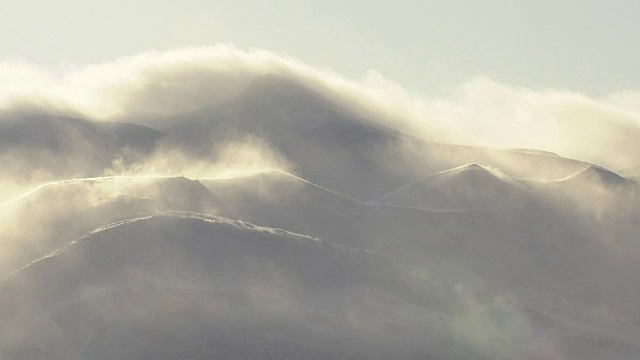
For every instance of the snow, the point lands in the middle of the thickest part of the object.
(274, 249)
(467, 187)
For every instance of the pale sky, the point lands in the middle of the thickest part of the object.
(427, 46)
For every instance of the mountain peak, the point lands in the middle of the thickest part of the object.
(599, 175)
(467, 187)
(472, 173)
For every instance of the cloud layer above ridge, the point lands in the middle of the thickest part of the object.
(480, 112)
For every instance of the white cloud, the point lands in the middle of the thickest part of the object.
(482, 111)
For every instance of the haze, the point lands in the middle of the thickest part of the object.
(209, 180)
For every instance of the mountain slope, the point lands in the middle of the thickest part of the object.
(318, 137)
(334, 147)
(59, 147)
(185, 285)
(115, 294)
(529, 255)
(468, 187)
(599, 176)
(68, 209)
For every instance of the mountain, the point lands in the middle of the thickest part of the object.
(183, 285)
(599, 192)
(468, 187)
(316, 135)
(599, 176)
(332, 236)
(277, 198)
(186, 285)
(532, 248)
(331, 145)
(326, 143)
(59, 147)
(633, 173)
(68, 209)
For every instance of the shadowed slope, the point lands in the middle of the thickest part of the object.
(325, 143)
(598, 175)
(468, 187)
(66, 210)
(190, 286)
(55, 147)
(336, 148)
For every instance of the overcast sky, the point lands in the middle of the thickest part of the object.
(428, 46)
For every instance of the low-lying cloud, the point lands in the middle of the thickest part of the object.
(481, 112)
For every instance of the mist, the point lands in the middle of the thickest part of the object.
(480, 112)
(222, 203)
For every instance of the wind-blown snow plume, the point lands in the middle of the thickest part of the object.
(243, 157)
(482, 112)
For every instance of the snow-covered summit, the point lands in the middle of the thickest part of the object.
(466, 187)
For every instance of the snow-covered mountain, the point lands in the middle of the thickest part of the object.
(280, 223)
(464, 188)
(183, 285)
(332, 145)
(39, 145)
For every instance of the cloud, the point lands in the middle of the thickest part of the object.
(572, 124)
(480, 112)
(244, 156)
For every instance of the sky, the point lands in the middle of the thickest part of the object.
(429, 47)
